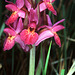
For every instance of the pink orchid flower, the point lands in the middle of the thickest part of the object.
(50, 32)
(13, 36)
(47, 4)
(29, 36)
(16, 9)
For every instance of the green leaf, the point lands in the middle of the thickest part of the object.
(38, 72)
(47, 59)
(40, 64)
(62, 71)
(2, 28)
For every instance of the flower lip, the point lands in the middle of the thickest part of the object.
(9, 43)
(29, 37)
(11, 37)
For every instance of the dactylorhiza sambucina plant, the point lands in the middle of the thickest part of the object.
(26, 26)
(31, 33)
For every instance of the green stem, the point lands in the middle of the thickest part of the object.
(32, 61)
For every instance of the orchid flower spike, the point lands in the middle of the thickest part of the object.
(16, 9)
(29, 36)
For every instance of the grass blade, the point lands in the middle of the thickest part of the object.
(38, 72)
(47, 59)
(72, 69)
(40, 64)
(1, 29)
(62, 71)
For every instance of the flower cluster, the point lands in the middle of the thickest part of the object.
(34, 31)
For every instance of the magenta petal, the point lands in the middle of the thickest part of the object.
(47, 0)
(20, 3)
(44, 35)
(32, 25)
(26, 48)
(9, 31)
(54, 12)
(28, 5)
(11, 7)
(58, 28)
(8, 44)
(12, 18)
(49, 20)
(58, 22)
(33, 17)
(44, 26)
(42, 7)
(57, 40)
(21, 14)
(52, 1)
(19, 26)
(50, 7)
(15, 24)
(18, 40)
